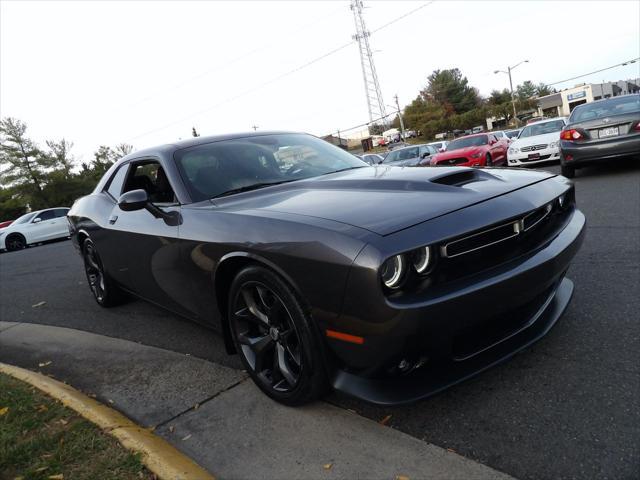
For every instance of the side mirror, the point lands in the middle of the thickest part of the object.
(133, 200)
(37, 220)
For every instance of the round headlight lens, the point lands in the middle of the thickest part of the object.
(392, 271)
(422, 259)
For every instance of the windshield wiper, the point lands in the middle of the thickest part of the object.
(345, 169)
(253, 186)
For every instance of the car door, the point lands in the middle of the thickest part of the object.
(61, 223)
(150, 246)
(42, 227)
(496, 148)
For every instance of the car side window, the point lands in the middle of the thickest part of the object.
(116, 182)
(46, 215)
(61, 212)
(150, 177)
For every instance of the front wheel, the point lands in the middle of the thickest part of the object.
(104, 290)
(567, 171)
(487, 161)
(275, 337)
(15, 242)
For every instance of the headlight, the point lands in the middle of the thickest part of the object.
(513, 150)
(422, 260)
(476, 155)
(554, 144)
(392, 271)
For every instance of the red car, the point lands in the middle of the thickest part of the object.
(6, 223)
(479, 150)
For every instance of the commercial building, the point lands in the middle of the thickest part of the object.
(562, 103)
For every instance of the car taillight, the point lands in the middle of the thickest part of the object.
(637, 127)
(571, 135)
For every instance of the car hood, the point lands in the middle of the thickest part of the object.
(459, 152)
(536, 140)
(383, 199)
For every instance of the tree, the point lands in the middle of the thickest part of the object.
(451, 91)
(543, 89)
(526, 90)
(60, 156)
(22, 163)
(498, 97)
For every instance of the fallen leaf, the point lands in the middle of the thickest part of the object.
(451, 450)
(186, 438)
(39, 304)
(327, 466)
(401, 477)
(171, 429)
(41, 469)
(59, 476)
(385, 420)
(42, 408)
(3, 411)
(44, 364)
(63, 421)
(196, 406)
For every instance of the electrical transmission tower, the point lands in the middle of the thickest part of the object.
(375, 104)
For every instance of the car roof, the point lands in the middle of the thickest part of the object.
(476, 135)
(547, 120)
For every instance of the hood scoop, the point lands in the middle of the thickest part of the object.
(463, 177)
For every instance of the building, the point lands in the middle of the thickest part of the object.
(562, 103)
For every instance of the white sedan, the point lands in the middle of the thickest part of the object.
(537, 143)
(35, 227)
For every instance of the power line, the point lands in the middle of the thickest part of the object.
(275, 79)
(595, 71)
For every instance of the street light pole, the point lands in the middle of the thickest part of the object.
(513, 98)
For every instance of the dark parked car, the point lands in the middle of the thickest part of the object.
(603, 130)
(371, 158)
(388, 284)
(410, 156)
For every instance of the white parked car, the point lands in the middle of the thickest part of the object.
(35, 227)
(537, 143)
(439, 146)
(502, 135)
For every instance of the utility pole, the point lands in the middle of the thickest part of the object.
(255, 127)
(400, 117)
(371, 85)
(513, 98)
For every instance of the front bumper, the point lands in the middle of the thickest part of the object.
(610, 149)
(524, 158)
(465, 328)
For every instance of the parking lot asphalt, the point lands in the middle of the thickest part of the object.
(566, 408)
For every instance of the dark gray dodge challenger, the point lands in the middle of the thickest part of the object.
(389, 284)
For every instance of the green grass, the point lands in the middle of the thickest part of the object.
(40, 438)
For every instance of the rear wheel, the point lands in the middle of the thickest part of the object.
(104, 290)
(275, 338)
(15, 241)
(568, 171)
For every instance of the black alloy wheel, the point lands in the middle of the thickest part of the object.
(104, 291)
(15, 242)
(488, 162)
(272, 334)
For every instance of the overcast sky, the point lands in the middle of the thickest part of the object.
(146, 72)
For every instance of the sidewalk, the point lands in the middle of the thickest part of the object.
(215, 415)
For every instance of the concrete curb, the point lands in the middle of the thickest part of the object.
(158, 455)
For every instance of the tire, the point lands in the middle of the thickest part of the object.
(567, 171)
(487, 161)
(105, 292)
(15, 241)
(274, 335)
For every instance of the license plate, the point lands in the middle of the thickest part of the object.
(608, 132)
(534, 156)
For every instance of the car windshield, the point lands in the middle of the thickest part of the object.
(465, 142)
(536, 129)
(437, 146)
(230, 166)
(402, 154)
(606, 108)
(512, 133)
(25, 218)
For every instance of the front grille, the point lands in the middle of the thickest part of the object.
(490, 247)
(454, 161)
(541, 157)
(533, 148)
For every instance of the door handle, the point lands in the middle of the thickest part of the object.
(113, 219)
